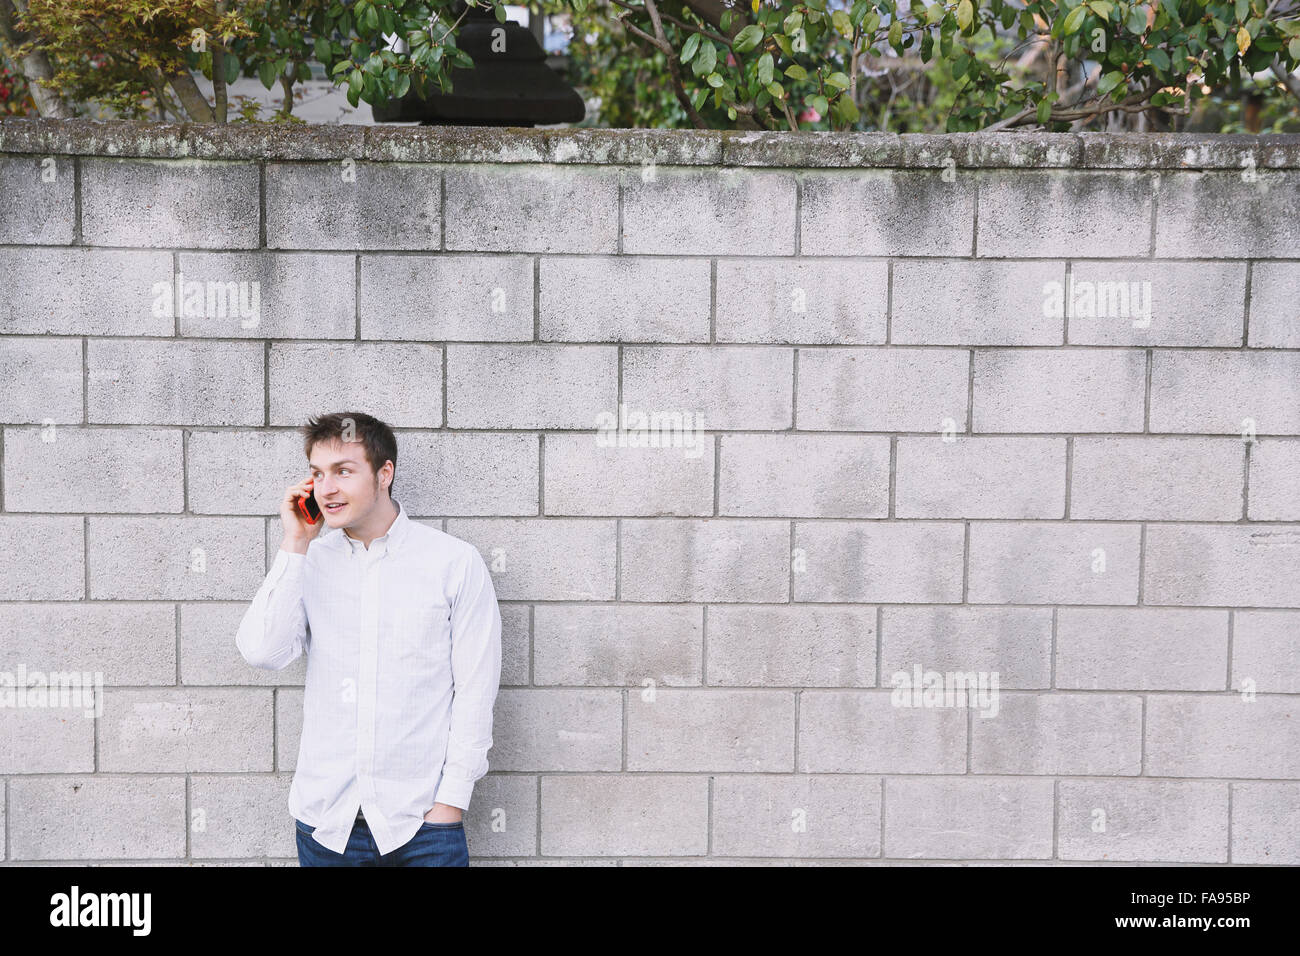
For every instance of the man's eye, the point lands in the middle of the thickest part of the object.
(343, 471)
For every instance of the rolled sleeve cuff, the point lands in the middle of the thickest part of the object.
(454, 792)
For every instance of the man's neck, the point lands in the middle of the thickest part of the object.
(376, 526)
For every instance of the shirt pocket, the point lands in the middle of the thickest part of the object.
(422, 640)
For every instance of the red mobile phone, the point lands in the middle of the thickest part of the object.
(310, 510)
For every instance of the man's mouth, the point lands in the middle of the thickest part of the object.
(335, 508)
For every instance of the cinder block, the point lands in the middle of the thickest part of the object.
(799, 815)
(968, 818)
(1265, 818)
(1225, 393)
(502, 818)
(209, 656)
(1141, 649)
(1077, 734)
(54, 571)
(980, 478)
(709, 560)
(718, 386)
(362, 206)
(477, 473)
(1191, 223)
(586, 474)
(36, 200)
(696, 729)
(530, 386)
(886, 212)
(1274, 480)
(476, 298)
(266, 295)
(1036, 390)
(53, 733)
(623, 299)
(274, 460)
(119, 817)
(159, 382)
(969, 302)
(819, 301)
(170, 203)
(516, 644)
(398, 383)
(1060, 213)
(1015, 643)
(185, 729)
(708, 212)
(1221, 735)
(1266, 651)
(521, 208)
(892, 562)
(1156, 303)
(1047, 562)
(1223, 565)
(124, 642)
(1168, 821)
(557, 729)
(1275, 305)
(820, 476)
(607, 814)
(863, 731)
(241, 815)
(1157, 479)
(86, 292)
(618, 645)
(544, 559)
(792, 646)
(883, 389)
(181, 558)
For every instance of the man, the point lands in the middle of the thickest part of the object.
(402, 633)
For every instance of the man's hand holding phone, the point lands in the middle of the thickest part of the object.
(298, 531)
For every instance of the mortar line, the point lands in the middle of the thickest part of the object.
(889, 301)
(266, 383)
(1232, 620)
(1245, 481)
(965, 563)
(713, 300)
(442, 210)
(537, 298)
(883, 781)
(78, 238)
(189, 810)
(717, 474)
(1069, 296)
(893, 473)
(618, 558)
(619, 247)
(356, 295)
(85, 380)
(1245, 313)
(1146, 402)
(541, 474)
(2, 469)
(261, 204)
(1231, 790)
(1051, 679)
(975, 219)
(790, 572)
(1142, 563)
(446, 369)
(1155, 213)
(1069, 473)
(794, 391)
(970, 393)
(1056, 816)
(704, 645)
(532, 645)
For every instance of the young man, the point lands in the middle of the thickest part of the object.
(403, 639)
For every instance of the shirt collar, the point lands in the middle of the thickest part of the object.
(392, 539)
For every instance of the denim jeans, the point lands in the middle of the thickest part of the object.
(434, 844)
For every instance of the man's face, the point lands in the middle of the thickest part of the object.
(345, 486)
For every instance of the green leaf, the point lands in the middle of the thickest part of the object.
(765, 65)
(845, 111)
(340, 66)
(266, 73)
(714, 80)
(322, 50)
(838, 80)
(819, 104)
(1110, 81)
(840, 20)
(776, 89)
(796, 72)
(500, 13)
(355, 79)
(793, 22)
(896, 33)
(1294, 48)
(1137, 20)
(1241, 8)
(747, 38)
(1044, 112)
(1159, 58)
(371, 19)
(705, 60)
(691, 48)
(965, 14)
(354, 95)
(232, 68)
(934, 13)
(1074, 19)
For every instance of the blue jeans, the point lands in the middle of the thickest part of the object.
(434, 844)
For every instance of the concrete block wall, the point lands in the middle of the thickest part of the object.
(919, 432)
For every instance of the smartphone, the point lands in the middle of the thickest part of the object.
(310, 510)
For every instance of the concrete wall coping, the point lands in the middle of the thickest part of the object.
(488, 144)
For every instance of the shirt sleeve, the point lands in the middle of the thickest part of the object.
(476, 676)
(274, 630)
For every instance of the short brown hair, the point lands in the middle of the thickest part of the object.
(375, 436)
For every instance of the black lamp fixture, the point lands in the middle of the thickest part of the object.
(510, 84)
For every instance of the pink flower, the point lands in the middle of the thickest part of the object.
(731, 60)
(809, 115)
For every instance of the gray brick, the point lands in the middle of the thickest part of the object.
(792, 646)
(1274, 312)
(308, 296)
(385, 206)
(1274, 481)
(1077, 734)
(980, 478)
(169, 203)
(719, 386)
(585, 478)
(862, 731)
(719, 731)
(1083, 390)
(885, 389)
(40, 737)
(557, 729)
(1153, 820)
(713, 560)
(479, 298)
(968, 302)
(1221, 736)
(93, 469)
(618, 645)
(1053, 563)
(1157, 303)
(826, 476)
(639, 814)
(400, 384)
(1265, 818)
(796, 816)
(237, 815)
(273, 460)
(915, 562)
(707, 212)
(516, 644)
(1263, 223)
(623, 299)
(133, 816)
(1266, 650)
(208, 653)
(1065, 213)
(1223, 565)
(186, 729)
(884, 212)
(1141, 649)
(956, 818)
(530, 386)
(502, 819)
(181, 558)
(532, 209)
(86, 292)
(44, 377)
(36, 200)
(143, 382)
(1216, 392)
(544, 559)
(54, 571)
(126, 643)
(822, 301)
(1013, 642)
(469, 474)
(1157, 479)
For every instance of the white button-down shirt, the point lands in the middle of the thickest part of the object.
(403, 644)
